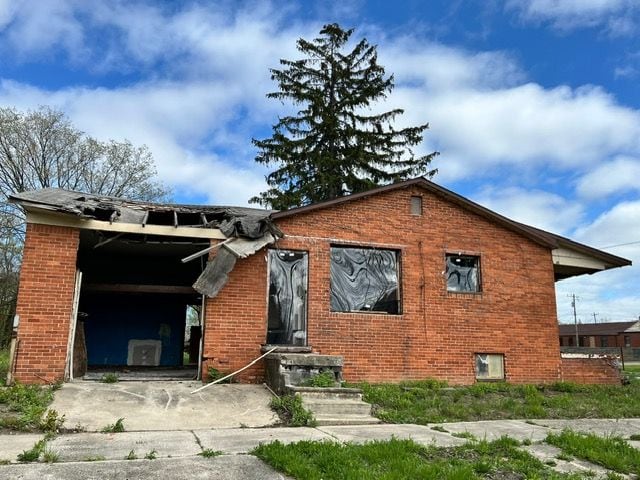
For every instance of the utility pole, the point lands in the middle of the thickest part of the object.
(575, 316)
(595, 319)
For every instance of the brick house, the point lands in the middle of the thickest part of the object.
(608, 334)
(405, 281)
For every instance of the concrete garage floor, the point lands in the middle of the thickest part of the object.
(162, 405)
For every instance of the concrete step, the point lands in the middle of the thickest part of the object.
(337, 407)
(346, 420)
(333, 394)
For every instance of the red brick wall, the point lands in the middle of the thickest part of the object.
(590, 370)
(438, 332)
(45, 297)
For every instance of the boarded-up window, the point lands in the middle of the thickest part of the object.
(364, 279)
(287, 298)
(462, 273)
(416, 205)
(489, 366)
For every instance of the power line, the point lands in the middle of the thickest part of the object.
(619, 245)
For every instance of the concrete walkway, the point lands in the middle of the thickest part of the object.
(98, 455)
(163, 405)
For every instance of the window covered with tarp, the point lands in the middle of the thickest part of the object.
(364, 279)
(462, 273)
(287, 315)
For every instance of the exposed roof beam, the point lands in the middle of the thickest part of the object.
(135, 288)
(65, 220)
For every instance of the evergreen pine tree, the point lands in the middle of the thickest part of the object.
(335, 145)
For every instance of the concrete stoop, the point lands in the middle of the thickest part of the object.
(336, 406)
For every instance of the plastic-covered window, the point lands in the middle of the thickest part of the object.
(462, 273)
(489, 366)
(364, 279)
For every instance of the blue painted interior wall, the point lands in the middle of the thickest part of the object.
(115, 319)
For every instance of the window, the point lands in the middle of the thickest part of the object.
(364, 279)
(416, 205)
(462, 273)
(627, 341)
(604, 341)
(489, 366)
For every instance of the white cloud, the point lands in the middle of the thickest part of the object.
(538, 208)
(616, 16)
(615, 177)
(612, 294)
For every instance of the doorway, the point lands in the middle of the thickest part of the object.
(287, 311)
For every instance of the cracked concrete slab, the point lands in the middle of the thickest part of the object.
(193, 468)
(364, 433)
(623, 427)
(116, 446)
(163, 405)
(12, 445)
(494, 429)
(244, 440)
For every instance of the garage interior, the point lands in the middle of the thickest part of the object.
(138, 314)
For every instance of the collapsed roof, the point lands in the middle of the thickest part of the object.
(244, 230)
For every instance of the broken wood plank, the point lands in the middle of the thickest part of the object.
(175, 219)
(205, 251)
(145, 218)
(51, 218)
(108, 240)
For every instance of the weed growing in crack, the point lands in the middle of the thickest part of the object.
(117, 427)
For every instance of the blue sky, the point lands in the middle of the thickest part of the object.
(533, 104)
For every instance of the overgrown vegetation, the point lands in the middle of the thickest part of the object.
(117, 427)
(405, 459)
(611, 452)
(431, 401)
(4, 365)
(326, 379)
(109, 378)
(214, 374)
(22, 408)
(33, 454)
(292, 411)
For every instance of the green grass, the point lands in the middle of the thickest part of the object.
(209, 453)
(22, 408)
(117, 427)
(292, 412)
(611, 452)
(4, 365)
(33, 454)
(405, 459)
(109, 378)
(325, 379)
(429, 401)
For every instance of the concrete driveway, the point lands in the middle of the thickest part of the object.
(162, 405)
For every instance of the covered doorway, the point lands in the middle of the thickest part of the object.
(287, 314)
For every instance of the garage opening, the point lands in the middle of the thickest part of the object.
(138, 315)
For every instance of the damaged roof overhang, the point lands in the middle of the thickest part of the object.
(244, 230)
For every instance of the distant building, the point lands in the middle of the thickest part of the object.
(610, 334)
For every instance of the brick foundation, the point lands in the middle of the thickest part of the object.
(591, 370)
(45, 298)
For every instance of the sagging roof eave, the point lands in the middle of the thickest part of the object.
(433, 188)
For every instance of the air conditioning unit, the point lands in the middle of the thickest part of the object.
(144, 353)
